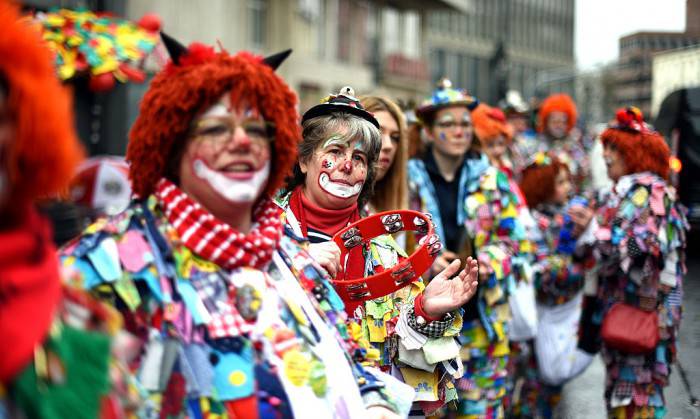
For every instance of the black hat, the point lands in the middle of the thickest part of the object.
(344, 101)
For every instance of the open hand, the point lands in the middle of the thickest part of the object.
(327, 255)
(446, 292)
(443, 261)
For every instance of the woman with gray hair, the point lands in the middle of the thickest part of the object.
(406, 333)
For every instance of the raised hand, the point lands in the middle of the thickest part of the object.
(447, 292)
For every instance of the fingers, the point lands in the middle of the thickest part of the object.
(440, 264)
(450, 256)
(327, 255)
(451, 269)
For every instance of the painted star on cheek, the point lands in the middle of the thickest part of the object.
(326, 164)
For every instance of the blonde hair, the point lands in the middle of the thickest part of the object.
(391, 192)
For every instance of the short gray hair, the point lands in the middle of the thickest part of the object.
(318, 129)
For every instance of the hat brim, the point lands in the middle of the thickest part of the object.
(330, 108)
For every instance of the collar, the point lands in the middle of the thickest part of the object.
(625, 183)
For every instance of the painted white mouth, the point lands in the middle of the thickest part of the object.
(233, 190)
(339, 190)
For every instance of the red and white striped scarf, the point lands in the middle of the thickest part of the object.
(216, 241)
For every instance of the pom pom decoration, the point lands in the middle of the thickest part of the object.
(150, 22)
(630, 119)
(97, 44)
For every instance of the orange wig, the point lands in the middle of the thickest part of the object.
(179, 92)
(537, 182)
(489, 123)
(44, 149)
(560, 102)
(642, 149)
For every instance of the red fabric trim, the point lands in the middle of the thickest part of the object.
(418, 309)
(30, 289)
(216, 241)
(325, 220)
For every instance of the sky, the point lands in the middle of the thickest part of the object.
(600, 24)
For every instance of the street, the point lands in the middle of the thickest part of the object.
(583, 397)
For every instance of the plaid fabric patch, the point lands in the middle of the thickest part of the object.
(228, 323)
(211, 289)
(434, 329)
(623, 389)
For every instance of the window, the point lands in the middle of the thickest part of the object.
(257, 11)
(344, 30)
(392, 30)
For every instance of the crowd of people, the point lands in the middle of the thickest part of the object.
(339, 263)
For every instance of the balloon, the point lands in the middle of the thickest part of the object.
(102, 82)
(150, 22)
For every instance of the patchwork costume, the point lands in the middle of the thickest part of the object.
(638, 250)
(426, 357)
(559, 276)
(230, 324)
(486, 209)
(636, 243)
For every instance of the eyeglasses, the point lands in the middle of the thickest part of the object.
(452, 125)
(220, 130)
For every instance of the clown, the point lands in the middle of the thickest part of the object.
(235, 318)
(475, 211)
(636, 239)
(407, 332)
(555, 124)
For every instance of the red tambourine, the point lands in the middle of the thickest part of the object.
(353, 291)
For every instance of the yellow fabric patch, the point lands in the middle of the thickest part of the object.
(640, 196)
(424, 383)
(492, 295)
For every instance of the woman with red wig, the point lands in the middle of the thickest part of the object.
(234, 317)
(637, 238)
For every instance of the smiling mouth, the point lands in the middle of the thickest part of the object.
(238, 171)
(340, 189)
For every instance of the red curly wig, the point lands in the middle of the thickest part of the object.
(560, 102)
(44, 149)
(642, 149)
(489, 123)
(179, 92)
(537, 183)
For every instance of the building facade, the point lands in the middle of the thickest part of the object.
(671, 71)
(634, 71)
(633, 79)
(372, 45)
(496, 45)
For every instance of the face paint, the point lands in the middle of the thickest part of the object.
(247, 190)
(335, 139)
(327, 164)
(218, 110)
(340, 190)
(446, 119)
(442, 136)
